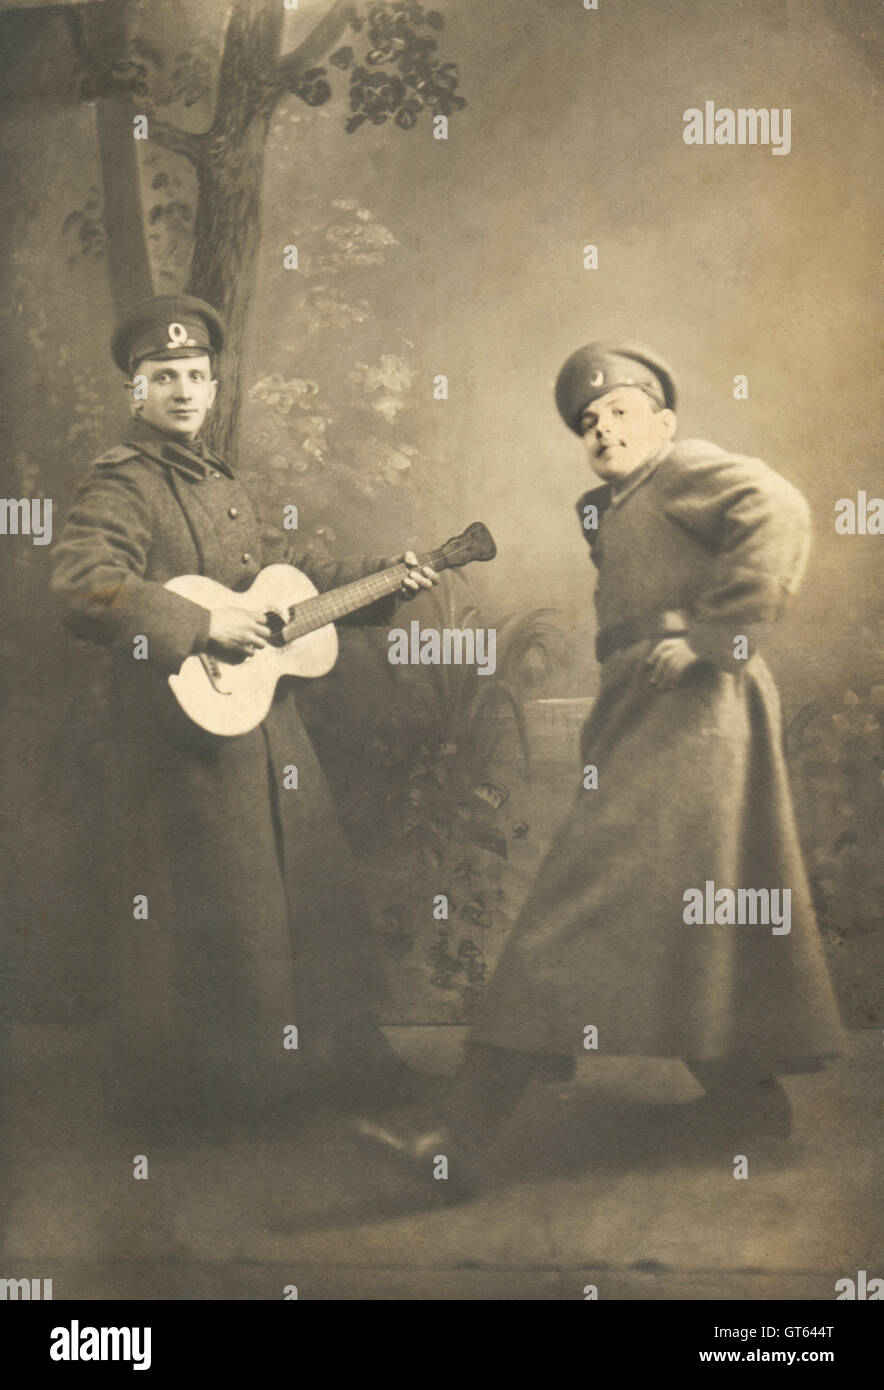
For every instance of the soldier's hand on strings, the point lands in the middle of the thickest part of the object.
(669, 660)
(418, 577)
(237, 631)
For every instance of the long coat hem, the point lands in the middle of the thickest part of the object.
(692, 788)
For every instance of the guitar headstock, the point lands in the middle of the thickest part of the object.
(475, 543)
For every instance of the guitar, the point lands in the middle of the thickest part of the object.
(231, 695)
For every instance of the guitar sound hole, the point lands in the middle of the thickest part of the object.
(276, 622)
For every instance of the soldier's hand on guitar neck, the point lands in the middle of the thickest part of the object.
(419, 577)
(236, 631)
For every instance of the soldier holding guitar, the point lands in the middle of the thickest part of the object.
(251, 922)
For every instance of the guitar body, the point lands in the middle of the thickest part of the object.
(232, 696)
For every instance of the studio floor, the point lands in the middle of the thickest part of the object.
(609, 1182)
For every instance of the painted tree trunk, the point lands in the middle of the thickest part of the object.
(230, 166)
(225, 259)
(127, 259)
(106, 31)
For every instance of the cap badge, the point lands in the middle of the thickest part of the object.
(179, 337)
(596, 379)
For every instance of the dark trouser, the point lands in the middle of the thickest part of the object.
(492, 1080)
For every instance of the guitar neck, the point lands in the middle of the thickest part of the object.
(326, 608)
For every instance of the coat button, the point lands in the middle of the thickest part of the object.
(246, 558)
(233, 513)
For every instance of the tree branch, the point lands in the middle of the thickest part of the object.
(251, 48)
(184, 142)
(320, 39)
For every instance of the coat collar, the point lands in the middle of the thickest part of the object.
(191, 457)
(605, 496)
(599, 497)
(641, 475)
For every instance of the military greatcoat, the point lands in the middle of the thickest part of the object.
(692, 787)
(254, 920)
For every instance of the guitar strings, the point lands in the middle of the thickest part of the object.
(322, 606)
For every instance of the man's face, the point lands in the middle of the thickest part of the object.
(622, 430)
(180, 391)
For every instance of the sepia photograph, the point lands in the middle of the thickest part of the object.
(442, 660)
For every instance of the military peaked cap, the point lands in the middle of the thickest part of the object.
(594, 370)
(171, 325)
